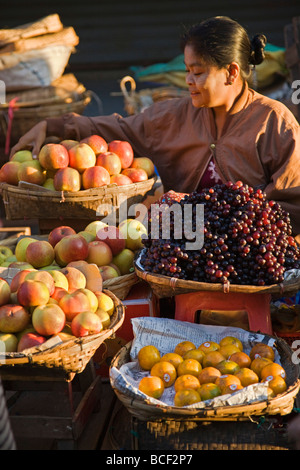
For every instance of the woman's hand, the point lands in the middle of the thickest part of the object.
(32, 140)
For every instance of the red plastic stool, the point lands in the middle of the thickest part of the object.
(256, 305)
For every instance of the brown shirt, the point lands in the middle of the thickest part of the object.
(259, 145)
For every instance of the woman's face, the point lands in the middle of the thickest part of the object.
(207, 83)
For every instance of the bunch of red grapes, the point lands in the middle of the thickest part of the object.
(247, 240)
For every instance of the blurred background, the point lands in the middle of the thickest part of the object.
(115, 36)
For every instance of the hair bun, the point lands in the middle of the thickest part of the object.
(258, 44)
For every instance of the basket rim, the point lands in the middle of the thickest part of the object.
(176, 285)
(28, 189)
(138, 405)
(32, 355)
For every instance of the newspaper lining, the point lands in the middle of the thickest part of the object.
(165, 334)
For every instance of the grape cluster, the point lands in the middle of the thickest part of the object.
(247, 240)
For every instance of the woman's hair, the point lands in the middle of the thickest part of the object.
(221, 40)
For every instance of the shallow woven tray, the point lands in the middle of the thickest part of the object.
(24, 118)
(164, 286)
(121, 285)
(282, 404)
(28, 201)
(72, 355)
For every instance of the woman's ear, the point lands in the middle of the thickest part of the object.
(233, 72)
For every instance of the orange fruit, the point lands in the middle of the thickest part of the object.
(152, 386)
(277, 385)
(174, 358)
(194, 354)
(208, 375)
(208, 391)
(186, 382)
(209, 346)
(231, 340)
(231, 388)
(259, 363)
(166, 371)
(228, 367)
(186, 397)
(272, 370)
(183, 347)
(262, 350)
(189, 366)
(212, 359)
(227, 379)
(247, 376)
(228, 349)
(148, 356)
(241, 358)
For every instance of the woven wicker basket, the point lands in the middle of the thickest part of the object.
(72, 355)
(28, 201)
(279, 405)
(164, 286)
(25, 118)
(121, 285)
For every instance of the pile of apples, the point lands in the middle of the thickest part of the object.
(58, 288)
(71, 165)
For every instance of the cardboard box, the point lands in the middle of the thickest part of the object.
(140, 302)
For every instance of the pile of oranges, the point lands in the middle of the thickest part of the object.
(212, 369)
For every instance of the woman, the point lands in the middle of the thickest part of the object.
(223, 131)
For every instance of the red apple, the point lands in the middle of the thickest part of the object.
(53, 156)
(43, 276)
(120, 180)
(40, 253)
(67, 179)
(99, 253)
(31, 172)
(5, 292)
(69, 143)
(108, 272)
(9, 173)
(58, 233)
(30, 340)
(110, 161)
(97, 143)
(135, 174)
(86, 323)
(13, 318)
(76, 279)
(73, 303)
(145, 164)
(81, 156)
(18, 279)
(48, 319)
(58, 293)
(124, 150)
(95, 177)
(33, 293)
(113, 238)
(71, 248)
(93, 300)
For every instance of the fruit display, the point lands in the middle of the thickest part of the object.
(71, 165)
(247, 239)
(100, 251)
(58, 286)
(208, 372)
